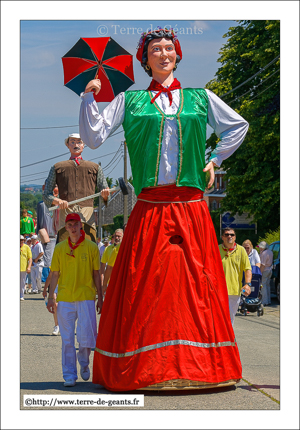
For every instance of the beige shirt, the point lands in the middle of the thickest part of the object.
(266, 258)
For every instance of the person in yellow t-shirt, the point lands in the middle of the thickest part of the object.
(25, 265)
(117, 239)
(235, 261)
(75, 267)
(109, 267)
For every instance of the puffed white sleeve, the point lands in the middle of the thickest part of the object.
(228, 125)
(95, 127)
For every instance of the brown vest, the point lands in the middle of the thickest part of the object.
(75, 182)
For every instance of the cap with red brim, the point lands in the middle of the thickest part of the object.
(72, 217)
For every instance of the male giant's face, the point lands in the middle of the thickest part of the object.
(75, 146)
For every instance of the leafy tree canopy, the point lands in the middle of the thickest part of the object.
(30, 201)
(250, 61)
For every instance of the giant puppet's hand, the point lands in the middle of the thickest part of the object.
(63, 204)
(105, 194)
(94, 85)
(210, 168)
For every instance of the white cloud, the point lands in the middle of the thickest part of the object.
(203, 25)
(37, 58)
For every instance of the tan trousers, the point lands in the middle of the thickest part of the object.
(86, 214)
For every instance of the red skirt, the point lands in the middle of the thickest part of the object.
(166, 315)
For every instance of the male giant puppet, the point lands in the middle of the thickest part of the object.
(75, 178)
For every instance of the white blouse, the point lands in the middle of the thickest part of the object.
(229, 126)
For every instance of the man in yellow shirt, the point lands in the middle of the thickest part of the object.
(25, 264)
(109, 267)
(75, 268)
(235, 261)
(117, 239)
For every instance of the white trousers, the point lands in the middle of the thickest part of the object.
(85, 314)
(22, 283)
(266, 290)
(234, 302)
(36, 278)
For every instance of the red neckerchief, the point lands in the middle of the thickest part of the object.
(229, 250)
(73, 247)
(155, 86)
(35, 243)
(76, 159)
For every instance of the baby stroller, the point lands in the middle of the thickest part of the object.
(252, 303)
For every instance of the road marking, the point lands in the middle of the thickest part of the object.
(261, 391)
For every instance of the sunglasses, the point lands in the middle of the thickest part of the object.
(229, 234)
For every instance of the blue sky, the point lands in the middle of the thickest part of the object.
(45, 102)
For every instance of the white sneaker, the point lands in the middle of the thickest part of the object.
(22, 298)
(55, 330)
(69, 383)
(85, 373)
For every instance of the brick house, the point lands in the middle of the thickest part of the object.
(216, 194)
(116, 205)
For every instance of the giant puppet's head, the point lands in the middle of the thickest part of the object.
(75, 144)
(142, 50)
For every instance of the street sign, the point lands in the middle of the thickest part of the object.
(237, 221)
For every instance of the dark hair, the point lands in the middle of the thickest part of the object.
(228, 229)
(156, 35)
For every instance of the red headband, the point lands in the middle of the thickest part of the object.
(141, 44)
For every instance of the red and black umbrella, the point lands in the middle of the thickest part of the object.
(98, 58)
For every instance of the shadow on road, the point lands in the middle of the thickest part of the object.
(37, 334)
(89, 387)
(80, 387)
(182, 392)
(258, 387)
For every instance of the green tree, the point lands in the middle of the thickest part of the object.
(110, 228)
(109, 182)
(271, 236)
(254, 169)
(30, 201)
(130, 180)
(118, 221)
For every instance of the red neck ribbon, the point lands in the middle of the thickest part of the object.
(76, 159)
(73, 247)
(229, 249)
(155, 86)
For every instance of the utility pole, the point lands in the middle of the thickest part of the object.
(125, 180)
(100, 217)
(100, 214)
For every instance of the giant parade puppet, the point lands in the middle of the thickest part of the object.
(165, 320)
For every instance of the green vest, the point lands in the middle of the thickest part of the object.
(144, 125)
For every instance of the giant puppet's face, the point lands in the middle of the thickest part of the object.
(75, 146)
(161, 56)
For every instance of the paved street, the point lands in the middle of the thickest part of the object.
(258, 341)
